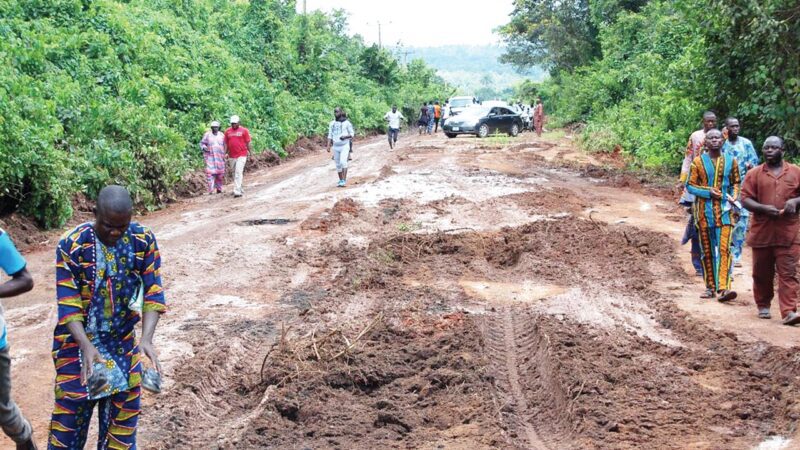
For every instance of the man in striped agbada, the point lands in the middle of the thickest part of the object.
(715, 183)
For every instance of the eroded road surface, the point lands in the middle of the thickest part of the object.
(458, 294)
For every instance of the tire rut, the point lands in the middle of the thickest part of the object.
(504, 344)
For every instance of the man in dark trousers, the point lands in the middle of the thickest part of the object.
(771, 192)
(13, 423)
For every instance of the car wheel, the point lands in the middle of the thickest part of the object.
(514, 130)
(450, 135)
(483, 131)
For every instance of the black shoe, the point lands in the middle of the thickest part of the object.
(29, 445)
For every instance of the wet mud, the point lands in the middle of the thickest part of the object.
(460, 296)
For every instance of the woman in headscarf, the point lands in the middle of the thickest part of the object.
(213, 146)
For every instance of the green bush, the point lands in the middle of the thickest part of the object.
(102, 91)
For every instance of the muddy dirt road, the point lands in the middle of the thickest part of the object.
(458, 294)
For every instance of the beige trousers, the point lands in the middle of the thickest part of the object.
(238, 174)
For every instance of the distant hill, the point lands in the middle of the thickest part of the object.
(466, 66)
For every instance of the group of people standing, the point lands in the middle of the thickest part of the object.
(108, 278)
(733, 199)
(430, 115)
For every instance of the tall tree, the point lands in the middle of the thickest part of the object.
(557, 35)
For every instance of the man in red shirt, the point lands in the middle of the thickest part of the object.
(771, 192)
(237, 148)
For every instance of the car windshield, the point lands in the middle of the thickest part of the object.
(475, 112)
(460, 102)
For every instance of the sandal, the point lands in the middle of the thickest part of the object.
(709, 293)
(726, 296)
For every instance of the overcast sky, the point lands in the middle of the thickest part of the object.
(422, 23)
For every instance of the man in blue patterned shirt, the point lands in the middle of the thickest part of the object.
(745, 154)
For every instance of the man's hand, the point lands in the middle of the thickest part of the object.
(790, 207)
(716, 194)
(149, 350)
(771, 211)
(89, 356)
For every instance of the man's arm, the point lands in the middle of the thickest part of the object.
(13, 264)
(225, 143)
(20, 283)
(735, 179)
(686, 166)
(330, 137)
(249, 148)
(693, 185)
(154, 302)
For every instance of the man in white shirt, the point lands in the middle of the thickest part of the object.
(394, 117)
(340, 133)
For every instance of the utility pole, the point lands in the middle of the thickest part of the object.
(304, 7)
(379, 34)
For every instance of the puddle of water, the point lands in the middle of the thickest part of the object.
(526, 292)
(254, 222)
(428, 187)
(774, 443)
(228, 300)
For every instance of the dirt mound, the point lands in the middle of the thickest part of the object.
(585, 251)
(334, 216)
(306, 145)
(414, 385)
(386, 172)
(549, 200)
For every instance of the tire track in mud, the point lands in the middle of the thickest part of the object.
(504, 344)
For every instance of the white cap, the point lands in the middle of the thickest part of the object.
(234, 119)
(215, 124)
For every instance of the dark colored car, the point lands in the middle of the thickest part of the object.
(483, 121)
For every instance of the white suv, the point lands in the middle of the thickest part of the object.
(459, 104)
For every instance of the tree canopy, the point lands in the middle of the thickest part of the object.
(640, 73)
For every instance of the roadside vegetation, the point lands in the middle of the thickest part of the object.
(100, 91)
(640, 73)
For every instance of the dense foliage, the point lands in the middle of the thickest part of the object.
(658, 65)
(99, 91)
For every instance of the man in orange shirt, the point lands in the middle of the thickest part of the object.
(437, 116)
(771, 192)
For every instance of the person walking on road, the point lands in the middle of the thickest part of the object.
(538, 117)
(108, 277)
(394, 118)
(422, 122)
(694, 149)
(437, 116)
(12, 421)
(237, 147)
(431, 113)
(340, 133)
(714, 181)
(213, 146)
(745, 154)
(771, 192)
